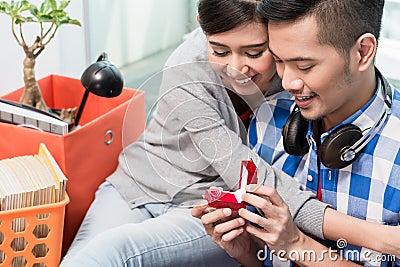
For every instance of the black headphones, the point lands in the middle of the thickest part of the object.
(342, 146)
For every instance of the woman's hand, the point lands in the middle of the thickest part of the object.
(225, 228)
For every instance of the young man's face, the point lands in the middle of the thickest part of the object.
(318, 77)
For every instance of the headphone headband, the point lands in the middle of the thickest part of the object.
(349, 153)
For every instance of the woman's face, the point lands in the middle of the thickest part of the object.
(242, 59)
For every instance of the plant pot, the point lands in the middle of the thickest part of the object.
(88, 154)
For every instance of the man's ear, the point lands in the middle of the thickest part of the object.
(366, 49)
(197, 18)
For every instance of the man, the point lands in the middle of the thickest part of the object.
(335, 128)
(338, 116)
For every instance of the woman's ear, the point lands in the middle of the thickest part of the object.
(366, 50)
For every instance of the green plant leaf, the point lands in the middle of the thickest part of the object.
(64, 4)
(58, 13)
(45, 18)
(45, 7)
(74, 22)
(53, 4)
(34, 11)
(48, 11)
(25, 5)
(4, 7)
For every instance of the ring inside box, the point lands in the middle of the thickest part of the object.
(218, 198)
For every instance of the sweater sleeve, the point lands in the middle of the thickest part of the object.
(306, 210)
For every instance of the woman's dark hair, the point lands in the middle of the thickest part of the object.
(340, 22)
(217, 16)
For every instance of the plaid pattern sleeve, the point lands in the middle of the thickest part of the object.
(369, 188)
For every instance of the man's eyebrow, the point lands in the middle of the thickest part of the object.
(290, 59)
(245, 46)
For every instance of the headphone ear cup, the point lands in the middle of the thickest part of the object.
(332, 147)
(294, 134)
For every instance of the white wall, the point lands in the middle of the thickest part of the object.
(388, 56)
(138, 35)
(131, 31)
(65, 55)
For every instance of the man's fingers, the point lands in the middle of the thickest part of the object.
(253, 218)
(260, 202)
(257, 232)
(266, 191)
(231, 235)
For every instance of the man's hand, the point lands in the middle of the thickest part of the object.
(277, 230)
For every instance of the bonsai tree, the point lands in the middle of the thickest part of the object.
(48, 17)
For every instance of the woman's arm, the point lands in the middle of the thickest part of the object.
(202, 111)
(382, 238)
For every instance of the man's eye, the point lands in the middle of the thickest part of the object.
(307, 68)
(220, 54)
(250, 55)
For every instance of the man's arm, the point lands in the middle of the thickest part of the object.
(382, 238)
(277, 230)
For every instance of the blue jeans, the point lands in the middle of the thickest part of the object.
(112, 234)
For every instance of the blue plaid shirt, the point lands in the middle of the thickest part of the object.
(368, 189)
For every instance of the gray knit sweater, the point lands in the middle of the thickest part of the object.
(195, 140)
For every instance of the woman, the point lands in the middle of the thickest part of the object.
(141, 214)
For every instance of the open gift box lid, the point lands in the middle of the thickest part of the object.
(218, 198)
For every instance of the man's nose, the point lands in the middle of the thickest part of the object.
(290, 81)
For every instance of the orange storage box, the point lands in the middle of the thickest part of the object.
(86, 155)
(38, 243)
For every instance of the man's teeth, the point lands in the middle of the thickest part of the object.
(244, 80)
(304, 98)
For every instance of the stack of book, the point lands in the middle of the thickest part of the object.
(23, 115)
(31, 180)
(27, 181)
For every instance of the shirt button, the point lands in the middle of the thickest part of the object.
(310, 178)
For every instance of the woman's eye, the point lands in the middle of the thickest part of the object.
(251, 55)
(277, 60)
(220, 54)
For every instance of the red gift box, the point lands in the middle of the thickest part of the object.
(218, 198)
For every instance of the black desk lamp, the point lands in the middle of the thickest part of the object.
(101, 78)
